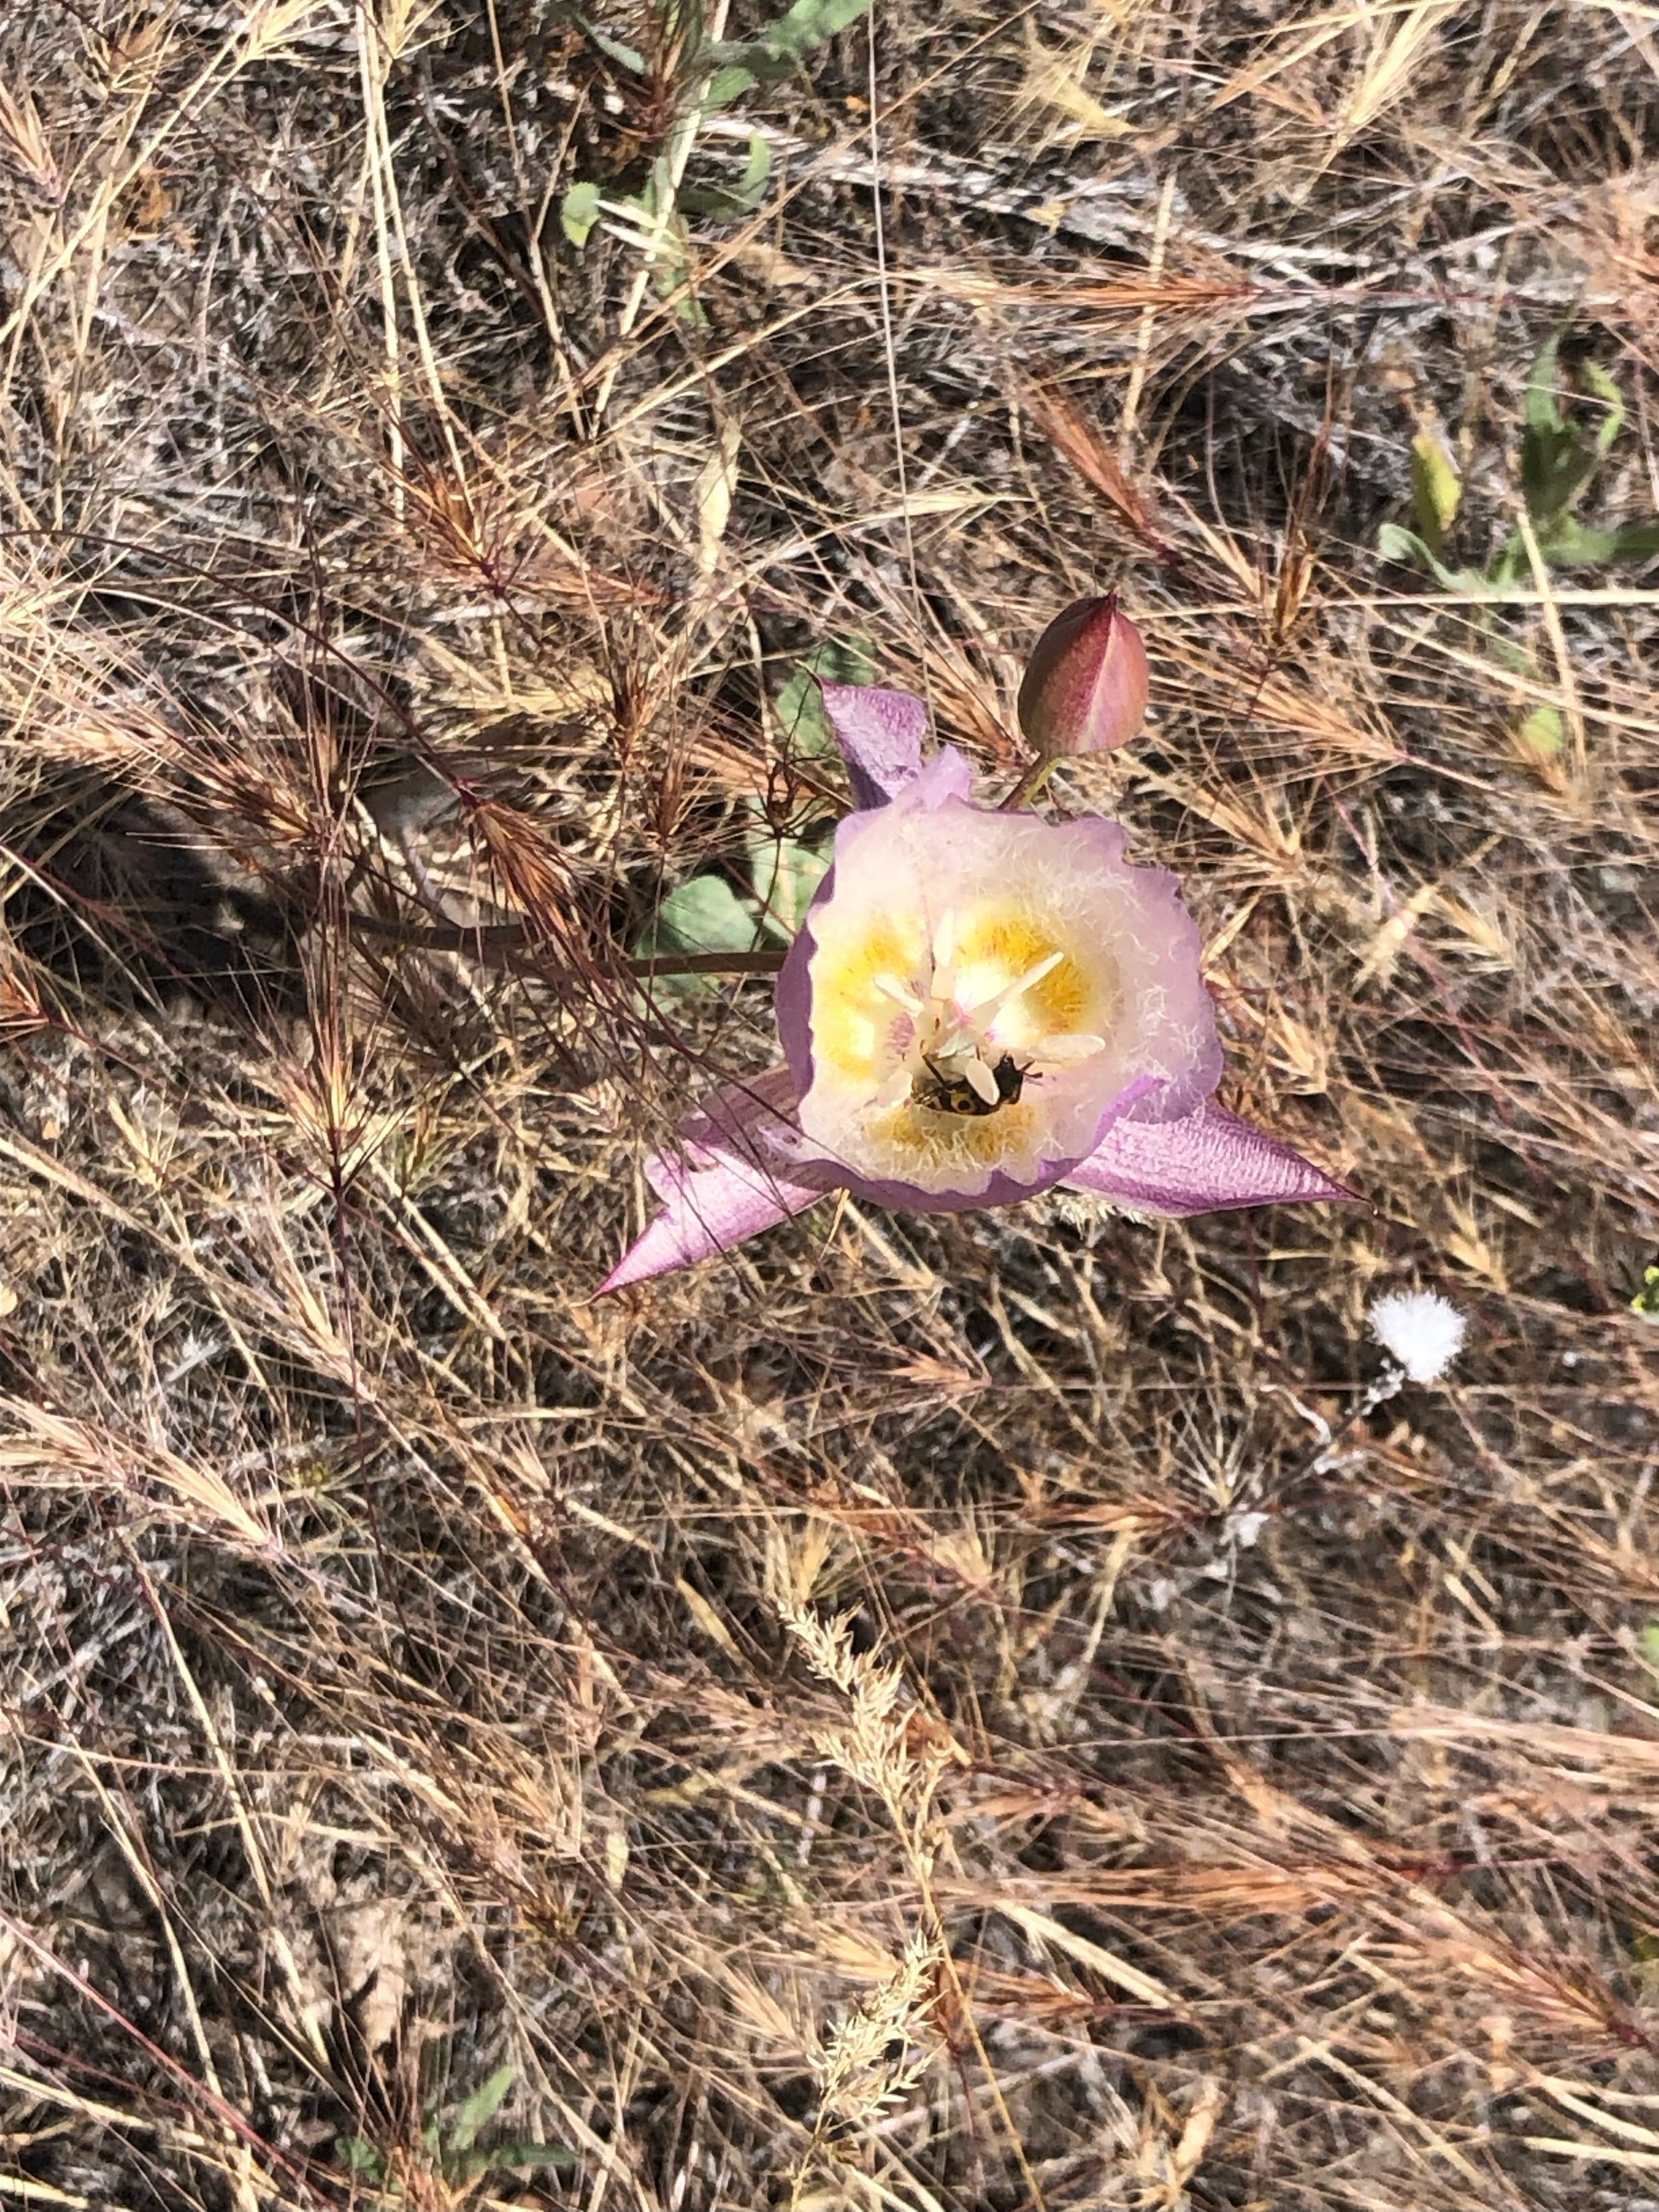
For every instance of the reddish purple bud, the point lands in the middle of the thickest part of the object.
(1085, 688)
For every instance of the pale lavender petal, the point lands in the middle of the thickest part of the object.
(880, 734)
(791, 998)
(1204, 1163)
(707, 1210)
(732, 1118)
(1168, 1024)
(946, 776)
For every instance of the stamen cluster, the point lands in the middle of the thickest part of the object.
(941, 1043)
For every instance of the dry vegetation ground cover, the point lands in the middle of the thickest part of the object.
(911, 1715)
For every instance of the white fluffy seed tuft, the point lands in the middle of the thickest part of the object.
(1424, 1331)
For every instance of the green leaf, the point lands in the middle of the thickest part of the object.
(1557, 459)
(630, 57)
(1543, 732)
(559, 2156)
(1572, 476)
(358, 2155)
(809, 23)
(806, 25)
(726, 85)
(1569, 544)
(1541, 409)
(785, 874)
(1435, 489)
(1612, 399)
(1644, 1946)
(703, 916)
(726, 203)
(480, 2107)
(1519, 661)
(507, 2157)
(1646, 1302)
(756, 174)
(1552, 467)
(801, 718)
(1394, 543)
(843, 660)
(1510, 563)
(579, 211)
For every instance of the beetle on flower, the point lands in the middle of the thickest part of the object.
(981, 1004)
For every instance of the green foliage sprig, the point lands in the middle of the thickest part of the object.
(709, 74)
(708, 913)
(1561, 455)
(451, 2143)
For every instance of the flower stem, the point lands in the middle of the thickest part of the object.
(1031, 783)
(514, 937)
(1387, 1385)
(766, 962)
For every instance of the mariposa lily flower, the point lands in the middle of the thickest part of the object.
(980, 1005)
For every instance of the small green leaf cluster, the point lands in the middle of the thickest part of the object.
(711, 73)
(730, 202)
(451, 2145)
(743, 64)
(584, 204)
(1560, 456)
(709, 914)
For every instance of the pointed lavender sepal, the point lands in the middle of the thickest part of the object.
(1204, 1163)
(880, 735)
(707, 1210)
(720, 1185)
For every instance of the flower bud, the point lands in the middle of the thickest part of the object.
(1085, 687)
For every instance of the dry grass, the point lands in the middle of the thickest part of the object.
(905, 1716)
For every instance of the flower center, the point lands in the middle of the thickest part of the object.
(958, 1049)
